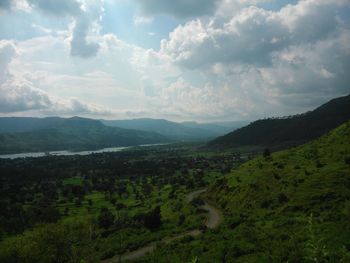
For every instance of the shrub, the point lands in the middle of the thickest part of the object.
(347, 160)
(105, 218)
(282, 198)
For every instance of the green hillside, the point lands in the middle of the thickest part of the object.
(289, 131)
(292, 206)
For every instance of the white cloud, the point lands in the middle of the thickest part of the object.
(19, 93)
(22, 96)
(252, 35)
(143, 20)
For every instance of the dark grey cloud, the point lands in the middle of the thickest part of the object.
(5, 4)
(58, 7)
(79, 45)
(178, 8)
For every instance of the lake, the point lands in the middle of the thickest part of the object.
(68, 153)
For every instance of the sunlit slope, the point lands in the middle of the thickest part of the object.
(293, 205)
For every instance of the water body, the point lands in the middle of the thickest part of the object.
(69, 153)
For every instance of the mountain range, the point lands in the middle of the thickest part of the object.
(54, 133)
(184, 131)
(20, 134)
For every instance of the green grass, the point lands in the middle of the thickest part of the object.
(73, 181)
(291, 207)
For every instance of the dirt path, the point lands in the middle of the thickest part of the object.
(212, 221)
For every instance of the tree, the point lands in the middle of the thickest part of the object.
(105, 218)
(282, 198)
(153, 219)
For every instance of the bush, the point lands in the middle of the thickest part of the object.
(265, 203)
(153, 219)
(51, 243)
(347, 160)
(282, 198)
(105, 218)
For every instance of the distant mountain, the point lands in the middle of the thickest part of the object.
(219, 127)
(185, 131)
(49, 134)
(294, 130)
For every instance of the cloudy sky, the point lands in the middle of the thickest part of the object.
(204, 60)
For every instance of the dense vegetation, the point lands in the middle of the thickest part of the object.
(74, 208)
(289, 131)
(291, 206)
(52, 134)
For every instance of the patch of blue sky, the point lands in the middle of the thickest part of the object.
(119, 19)
(19, 25)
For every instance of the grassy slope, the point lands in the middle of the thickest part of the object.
(291, 207)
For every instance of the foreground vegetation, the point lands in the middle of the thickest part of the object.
(74, 208)
(291, 206)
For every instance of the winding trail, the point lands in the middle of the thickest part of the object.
(213, 220)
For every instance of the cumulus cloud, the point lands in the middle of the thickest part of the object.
(7, 52)
(252, 36)
(178, 8)
(184, 99)
(86, 15)
(289, 60)
(80, 46)
(86, 23)
(74, 106)
(19, 94)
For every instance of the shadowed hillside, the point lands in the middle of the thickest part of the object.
(50, 134)
(294, 130)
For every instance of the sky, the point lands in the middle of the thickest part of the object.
(182, 60)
